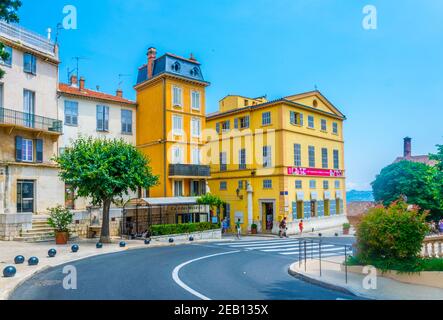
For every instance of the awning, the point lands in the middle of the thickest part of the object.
(142, 203)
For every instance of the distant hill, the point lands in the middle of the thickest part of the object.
(354, 195)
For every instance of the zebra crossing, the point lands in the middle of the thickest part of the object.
(291, 247)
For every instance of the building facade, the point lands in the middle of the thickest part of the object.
(170, 123)
(29, 129)
(275, 159)
(90, 113)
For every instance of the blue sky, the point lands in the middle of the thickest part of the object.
(387, 81)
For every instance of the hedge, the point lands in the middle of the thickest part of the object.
(171, 229)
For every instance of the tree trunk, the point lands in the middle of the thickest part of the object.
(105, 237)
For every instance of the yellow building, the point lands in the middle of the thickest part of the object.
(271, 159)
(170, 122)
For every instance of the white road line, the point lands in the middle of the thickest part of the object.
(284, 246)
(323, 255)
(294, 247)
(177, 280)
(262, 244)
(239, 243)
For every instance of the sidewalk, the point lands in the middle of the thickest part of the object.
(9, 250)
(334, 278)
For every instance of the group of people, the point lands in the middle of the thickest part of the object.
(282, 226)
(436, 227)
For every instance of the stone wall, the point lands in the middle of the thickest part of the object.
(83, 219)
(11, 225)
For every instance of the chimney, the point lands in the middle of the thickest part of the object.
(192, 57)
(82, 83)
(152, 54)
(407, 147)
(73, 80)
(119, 93)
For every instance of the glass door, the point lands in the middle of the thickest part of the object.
(25, 196)
(29, 108)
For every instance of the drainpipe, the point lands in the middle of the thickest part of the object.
(249, 191)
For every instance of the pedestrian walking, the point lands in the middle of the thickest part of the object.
(283, 228)
(224, 225)
(300, 227)
(238, 227)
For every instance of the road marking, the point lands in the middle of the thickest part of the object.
(284, 246)
(177, 280)
(294, 247)
(247, 243)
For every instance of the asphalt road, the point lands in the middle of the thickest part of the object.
(147, 274)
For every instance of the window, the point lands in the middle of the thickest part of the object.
(194, 72)
(25, 196)
(177, 155)
(127, 121)
(29, 63)
(326, 184)
(311, 150)
(335, 128)
(267, 184)
(267, 157)
(195, 100)
(1, 96)
(178, 188)
(337, 184)
(102, 118)
(296, 118)
(336, 160)
(312, 184)
(226, 125)
(243, 122)
(246, 103)
(242, 159)
(27, 150)
(223, 161)
(8, 61)
(71, 113)
(29, 108)
(223, 185)
(240, 184)
(266, 118)
(297, 155)
(311, 122)
(196, 155)
(176, 67)
(177, 125)
(298, 184)
(177, 96)
(196, 127)
(324, 126)
(324, 158)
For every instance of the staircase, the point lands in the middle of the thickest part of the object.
(40, 232)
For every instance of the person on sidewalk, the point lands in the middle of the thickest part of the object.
(283, 228)
(238, 227)
(300, 227)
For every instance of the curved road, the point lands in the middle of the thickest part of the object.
(147, 274)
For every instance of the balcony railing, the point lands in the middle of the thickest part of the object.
(28, 120)
(188, 170)
(29, 38)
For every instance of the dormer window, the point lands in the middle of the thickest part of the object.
(194, 72)
(176, 67)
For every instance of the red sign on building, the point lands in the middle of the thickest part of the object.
(315, 172)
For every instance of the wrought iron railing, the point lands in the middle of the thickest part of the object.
(189, 170)
(29, 120)
(32, 39)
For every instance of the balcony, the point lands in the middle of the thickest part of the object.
(31, 39)
(26, 121)
(189, 170)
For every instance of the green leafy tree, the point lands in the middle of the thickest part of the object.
(391, 234)
(8, 13)
(416, 182)
(438, 157)
(104, 171)
(212, 200)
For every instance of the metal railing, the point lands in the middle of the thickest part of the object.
(189, 170)
(304, 253)
(32, 39)
(28, 120)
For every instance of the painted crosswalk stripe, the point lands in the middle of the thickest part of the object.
(293, 248)
(253, 242)
(331, 254)
(267, 244)
(282, 246)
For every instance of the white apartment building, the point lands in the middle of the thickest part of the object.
(30, 128)
(90, 113)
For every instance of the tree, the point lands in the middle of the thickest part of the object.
(438, 157)
(416, 182)
(104, 171)
(8, 13)
(211, 200)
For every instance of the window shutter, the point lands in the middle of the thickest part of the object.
(18, 148)
(217, 127)
(106, 118)
(236, 123)
(247, 122)
(39, 150)
(301, 119)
